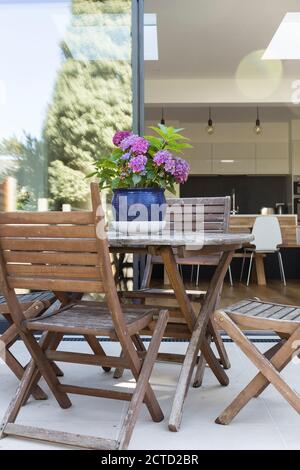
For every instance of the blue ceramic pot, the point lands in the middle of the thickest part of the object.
(139, 204)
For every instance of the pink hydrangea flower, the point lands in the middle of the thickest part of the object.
(182, 170)
(161, 157)
(120, 136)
(136, 144)
(137, 164)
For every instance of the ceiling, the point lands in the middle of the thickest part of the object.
(202, 39)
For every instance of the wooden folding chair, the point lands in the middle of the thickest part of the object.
(216, 219)
(258, 315)
(33, 304)
(62, 251)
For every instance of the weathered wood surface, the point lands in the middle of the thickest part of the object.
(94, 319)
(59, 437)
(60, 273)
(265, 311)
(187, 239)
(198, 341)
(33, 304)
(269, 365)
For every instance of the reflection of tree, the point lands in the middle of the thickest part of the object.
(92, 97)
(28, 167)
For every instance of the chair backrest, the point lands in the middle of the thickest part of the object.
(216, 211)
(56, 251)
(267, 233)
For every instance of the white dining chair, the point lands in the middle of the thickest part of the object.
(267, 238)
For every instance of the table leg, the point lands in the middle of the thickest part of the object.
(178, 286)
(260, 269)
(197, 338)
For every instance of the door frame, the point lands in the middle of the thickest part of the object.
(138, 65)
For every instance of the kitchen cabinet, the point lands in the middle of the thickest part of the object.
(272, 166)
(237, 167)
(199, 158)
(272, 158)
(296, 157)
(233, 158)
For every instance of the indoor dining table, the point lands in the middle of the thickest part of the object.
(187, 244)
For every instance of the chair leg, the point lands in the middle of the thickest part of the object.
(119, 371)
(180, 270)
(242, 269)
(142, 384)
(22, 392)
(45, 368)
(230, 276)
(139, 343)
(28, 383)
(192, 272)
(269, 355)
(224, 359)
(198, 272)
(19, 371)
(200, 370)
(96, 348)
(250, 266)
(214, 364)
(281, 268)
(269, 371)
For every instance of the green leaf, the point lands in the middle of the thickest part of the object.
(136, 179)
(163, 127)
(154, 141)
(150, 175)
(90, 175)
(159, 132)
(115, 183)
(178, 137)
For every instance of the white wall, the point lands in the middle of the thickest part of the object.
(221, 90)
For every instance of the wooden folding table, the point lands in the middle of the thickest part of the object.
(188, 244)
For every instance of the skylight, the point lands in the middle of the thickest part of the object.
(150, 37)
(285, 44)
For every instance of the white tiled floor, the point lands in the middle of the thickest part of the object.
(266, 423)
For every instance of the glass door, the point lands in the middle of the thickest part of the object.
(67, 74)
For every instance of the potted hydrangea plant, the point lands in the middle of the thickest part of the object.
(140, 169)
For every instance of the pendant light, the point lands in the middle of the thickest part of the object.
(162, 121)
(210, 127)
(257, 127)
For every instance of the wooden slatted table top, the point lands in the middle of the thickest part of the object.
(186, 239)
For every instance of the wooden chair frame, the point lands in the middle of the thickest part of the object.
(33, 305)
(76, 256)
(282, 319)
(215, 221)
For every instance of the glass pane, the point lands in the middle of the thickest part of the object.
(65, 87)
(228, 73)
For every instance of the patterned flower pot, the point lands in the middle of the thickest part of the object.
(139, 209)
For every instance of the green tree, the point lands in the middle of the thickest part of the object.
(28, 166)
(92, 96)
